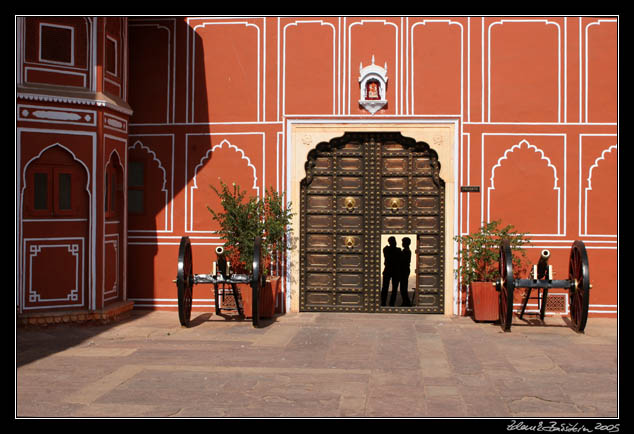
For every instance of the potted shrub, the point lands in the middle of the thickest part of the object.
(479, 263)
(276, 219)
(241, 220)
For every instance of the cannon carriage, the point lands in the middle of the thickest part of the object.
(225, 284)
(541, 279)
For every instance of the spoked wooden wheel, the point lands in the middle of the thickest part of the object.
(256, 281)
(506, 286)
(579, 276)
(185, 281)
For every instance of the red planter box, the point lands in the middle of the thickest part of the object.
(270, 292)
(485, 301)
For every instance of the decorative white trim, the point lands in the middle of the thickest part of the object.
(170, 109)
(559, 184)
(583, 226)
(89, 187)
(283, 45)
(586, 65)
(71, 49)
(72, 100)
(518, 146)
(115, 123)
(81, 75)
(121, 279)
(191, 62)
(34, 113)
(56, 115)
(488, 62)
(164, 189)
(116, 57)
(262, 169)
(412, 85)
(200, 165)
(76, 295)
(112, 293)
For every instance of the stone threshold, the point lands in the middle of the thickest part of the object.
(109, 313)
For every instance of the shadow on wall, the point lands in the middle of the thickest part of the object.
(159, 171)
(151, 182)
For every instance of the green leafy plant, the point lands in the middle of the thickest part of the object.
(479, 253)
(242, 219)
(276, 217)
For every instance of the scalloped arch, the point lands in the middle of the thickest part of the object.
(513, 149)
(243, 156)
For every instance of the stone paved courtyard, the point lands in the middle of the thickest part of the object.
(317, 365)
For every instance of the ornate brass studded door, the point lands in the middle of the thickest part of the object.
(360, 189)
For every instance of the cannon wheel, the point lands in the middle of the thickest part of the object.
(579, 276)
(256, 282)
(506, 286)
(184, 281)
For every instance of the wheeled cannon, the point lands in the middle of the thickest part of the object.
(578, 285)
(223, 282)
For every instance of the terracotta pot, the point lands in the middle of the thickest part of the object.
(270, 293)
(245, 293)
(485, 301)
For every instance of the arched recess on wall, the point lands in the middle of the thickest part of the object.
(226, 162)
(601, 186)
(235, 94)
(524, 191)
(114, 186)
(55, 234)
(309, 76)
(524, 77)
(436, 68)
(148, 192)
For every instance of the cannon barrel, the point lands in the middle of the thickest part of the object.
(542, 265)
(222, 261)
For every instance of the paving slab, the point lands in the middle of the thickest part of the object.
(317, 365)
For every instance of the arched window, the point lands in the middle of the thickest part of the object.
(54, 184)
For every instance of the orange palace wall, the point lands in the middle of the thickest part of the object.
(534, 101)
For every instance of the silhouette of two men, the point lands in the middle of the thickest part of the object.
(397, 269)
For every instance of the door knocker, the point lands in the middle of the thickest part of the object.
(395, 204)
(350, 203)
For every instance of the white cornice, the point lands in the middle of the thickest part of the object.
(65, 96)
